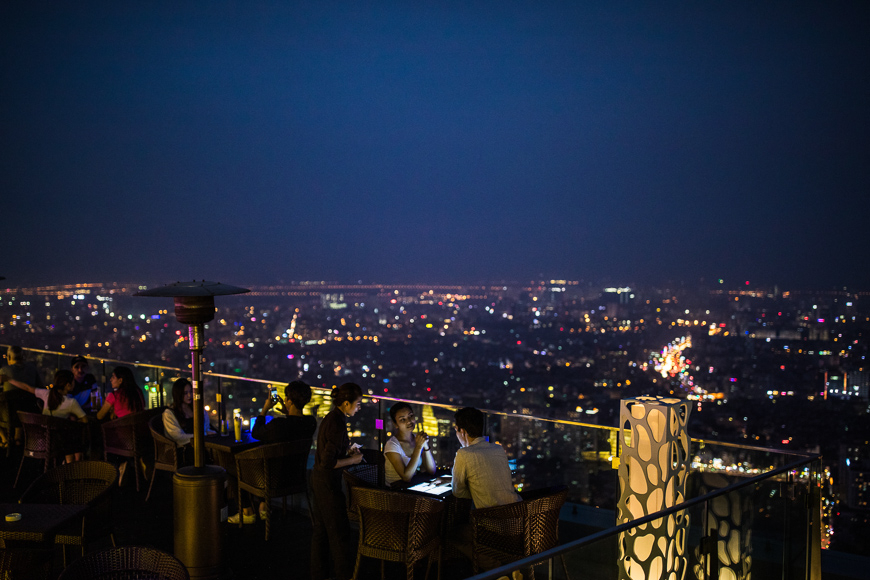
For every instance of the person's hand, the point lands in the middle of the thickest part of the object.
(354, 448)
(268, 404)
(422, 440)
(356, 458)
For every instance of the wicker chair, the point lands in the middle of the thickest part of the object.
(91, 483)
(46, 438)
(129, 437)
(509, 532)
(274, 470)
(370, 473)
(126, 563)
(398, 527)
(167, 456)
(6, 422)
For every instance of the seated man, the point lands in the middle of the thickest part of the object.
(291, 425)
(480, 470)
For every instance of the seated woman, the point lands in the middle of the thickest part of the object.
(58, 403)
(178, 419)
(406, 451)
(126, 396)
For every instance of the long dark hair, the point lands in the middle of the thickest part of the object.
(178, 398)
(129, 391)
(346, 392)
(55, 394)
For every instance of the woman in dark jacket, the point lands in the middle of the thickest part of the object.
(334, 452)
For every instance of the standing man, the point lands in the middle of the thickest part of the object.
(480, 470)
(83, 382)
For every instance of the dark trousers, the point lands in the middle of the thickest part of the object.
(331, 534)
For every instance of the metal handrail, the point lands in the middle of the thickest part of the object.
(592, 538)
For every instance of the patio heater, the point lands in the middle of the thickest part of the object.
(198, 491)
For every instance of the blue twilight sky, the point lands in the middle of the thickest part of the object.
(258, 142)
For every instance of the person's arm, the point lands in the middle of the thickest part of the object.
(428, 465)
(355, 458)
(259, 430)
(21, 385)
(335, 439)
(407, 470)
(460, 478)
(76, 410)
(206, 423)
(105, 409)
(173, 429)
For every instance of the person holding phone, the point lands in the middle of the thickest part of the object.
(406, 451)
(331, 535)
(290, 424)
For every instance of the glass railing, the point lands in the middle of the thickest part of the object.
(764, 527)
(747, 509)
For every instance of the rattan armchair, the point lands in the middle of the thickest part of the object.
(273, 470)
(509, 532)
(90, 483)
(46, 438)
(6, 422)
(129, 437)
(167, 456)
(369, 473)
(398, 527)
(127, 563)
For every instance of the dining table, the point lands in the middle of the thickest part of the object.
(223, 449)
(38, 521)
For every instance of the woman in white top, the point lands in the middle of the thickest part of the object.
(57, 403)
(406, 451)
(178, 419)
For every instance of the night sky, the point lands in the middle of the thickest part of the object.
(261, 142)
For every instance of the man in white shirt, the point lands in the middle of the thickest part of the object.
(480, 470)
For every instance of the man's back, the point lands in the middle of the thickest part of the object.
(287, 428)
(481, 472)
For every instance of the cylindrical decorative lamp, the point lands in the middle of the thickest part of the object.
(653, 468)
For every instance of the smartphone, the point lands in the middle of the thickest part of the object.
(273, 392)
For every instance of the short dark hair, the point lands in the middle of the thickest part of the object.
(349, 392)
(471, 420)
(398, 407)
(297, 393)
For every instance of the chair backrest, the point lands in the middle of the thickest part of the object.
(165, 450)
(4, 411)
(129, 436)
(523, 528)
(44, 435)
(372, 470)
(542, 519)
(81, 482)
(397, 521)
(124, 563)
(278, 467)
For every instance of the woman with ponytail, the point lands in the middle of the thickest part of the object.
(331, 534)
(57, 403)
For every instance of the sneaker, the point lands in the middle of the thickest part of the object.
(246, 519)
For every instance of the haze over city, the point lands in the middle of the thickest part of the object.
(265, 142)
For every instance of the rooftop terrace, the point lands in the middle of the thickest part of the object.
(748, 511)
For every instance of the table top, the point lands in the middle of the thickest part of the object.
(228, 444)
(38, 521)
